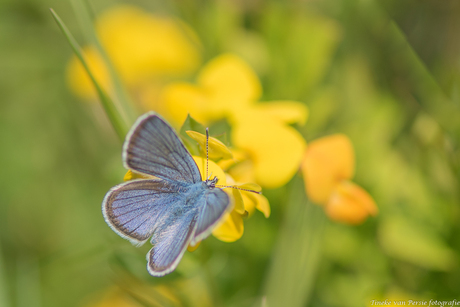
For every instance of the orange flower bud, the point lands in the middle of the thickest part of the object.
(350, 204)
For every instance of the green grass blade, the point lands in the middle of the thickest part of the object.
(86, 20)
(115, 116)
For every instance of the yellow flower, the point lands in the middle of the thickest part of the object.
(274, 148)
(78, 79)
(228, 88)
(231, 227)
(141, 46)
(327, 168)
(225, 85)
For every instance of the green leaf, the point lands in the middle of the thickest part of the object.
(190, 124)
(221, 131)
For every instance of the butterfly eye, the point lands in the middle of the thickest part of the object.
(212, 183)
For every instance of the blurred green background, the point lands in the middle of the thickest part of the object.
(386, 73)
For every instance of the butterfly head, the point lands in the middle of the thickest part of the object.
(211, 183)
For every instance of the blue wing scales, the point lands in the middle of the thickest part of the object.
(135, 209)
(170, 243)
(214, 205)
(152, 147)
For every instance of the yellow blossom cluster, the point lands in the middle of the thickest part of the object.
(228, 88)
(266, 150)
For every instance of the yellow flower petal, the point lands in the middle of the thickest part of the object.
(235, 195)
(350, 204)
(213, 170)
(238, 201)
(142, 45)
(289, 112)
(262, 204)
(193, 248)
(243, 171)
(249, 203)
(327, 161)
(230, 229)
(79, 81)
(130, 175)
(229, 83)
(275, 149)
(238, 156)
(257, 201)
(149, 96)
(249, 186)
(182, 99)
(216, 149)
(224, 84)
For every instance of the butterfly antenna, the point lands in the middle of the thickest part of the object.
(237, 188)
(207, 155)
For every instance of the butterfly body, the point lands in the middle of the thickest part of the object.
(175, 209)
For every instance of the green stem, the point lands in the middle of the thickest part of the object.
(292, 274)
(115, 116)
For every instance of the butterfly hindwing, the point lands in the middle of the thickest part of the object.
(215, 204)
(170, 243)
(152, 147)
(136, 208)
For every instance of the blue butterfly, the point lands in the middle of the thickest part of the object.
(175, 209)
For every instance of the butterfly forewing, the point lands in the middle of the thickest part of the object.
(136, 208)
(152, 147)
